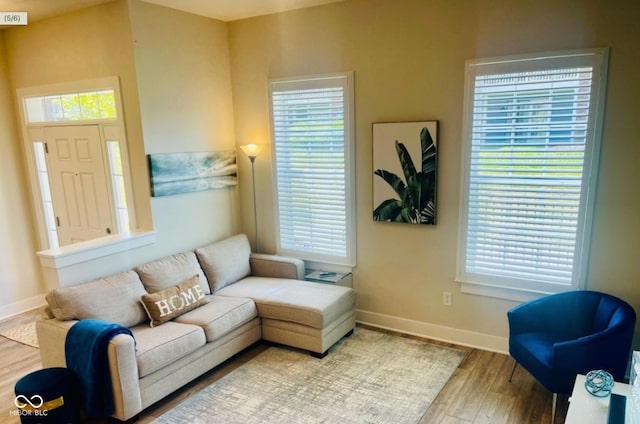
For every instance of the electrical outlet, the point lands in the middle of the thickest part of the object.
(447, 299)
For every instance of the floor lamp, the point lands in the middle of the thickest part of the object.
(252, 151)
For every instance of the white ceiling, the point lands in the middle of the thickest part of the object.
(225, 10)
(230, 10)
(41, 9)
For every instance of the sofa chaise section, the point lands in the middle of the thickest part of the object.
(306, 315)
(310, 316)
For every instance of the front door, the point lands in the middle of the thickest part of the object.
(79, 183)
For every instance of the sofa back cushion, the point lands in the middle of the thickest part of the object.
(115, 299)
(226, 261)
(170, 271)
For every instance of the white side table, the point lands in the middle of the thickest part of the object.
(326, 277)
(586, 409)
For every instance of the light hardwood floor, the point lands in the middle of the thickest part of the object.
(478, 392)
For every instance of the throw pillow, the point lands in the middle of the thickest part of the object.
(174, 301)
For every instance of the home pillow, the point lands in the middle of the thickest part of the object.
(171, 270)
(114, 298)
(226, 261)
(174, 301)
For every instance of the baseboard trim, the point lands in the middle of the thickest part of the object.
(434, 331)
(25, 305)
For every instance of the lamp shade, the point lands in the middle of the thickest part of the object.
(251, 150)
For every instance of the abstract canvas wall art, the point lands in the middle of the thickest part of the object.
(176, 173)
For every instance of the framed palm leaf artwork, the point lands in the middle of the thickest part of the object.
(405, 167)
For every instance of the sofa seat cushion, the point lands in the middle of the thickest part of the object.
(313, 304)
(159, 346)
(255, 287)
(220, 316)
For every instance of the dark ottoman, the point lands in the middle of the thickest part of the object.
(48, 396)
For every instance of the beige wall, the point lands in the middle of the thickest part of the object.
(175, 81)
(408, 57)
(20, 277)
(184, 82)
(79, 46)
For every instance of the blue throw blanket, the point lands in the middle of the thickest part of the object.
(86, 353)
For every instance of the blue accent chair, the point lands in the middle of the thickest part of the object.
(561, 335)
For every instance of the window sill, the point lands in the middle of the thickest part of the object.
(325, 266)
(516, 295)
(93, 249)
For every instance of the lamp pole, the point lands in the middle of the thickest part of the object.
(255, 207)
(252, 151)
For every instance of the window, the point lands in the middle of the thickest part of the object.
(314, 167)
(118, 185)
(45, 193)
(531, 145)
(79, 106)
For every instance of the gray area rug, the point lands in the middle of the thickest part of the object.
(25, 334)
(369, 377)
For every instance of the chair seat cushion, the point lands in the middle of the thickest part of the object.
(220, 316)
(159, 346)
(528, 347)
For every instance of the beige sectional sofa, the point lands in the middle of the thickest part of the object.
(248, 297)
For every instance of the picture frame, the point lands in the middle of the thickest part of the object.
(405, 167)
(177, 173)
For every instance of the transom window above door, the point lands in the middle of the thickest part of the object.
(82, 106)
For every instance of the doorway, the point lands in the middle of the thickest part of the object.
(79, 165)
(79, 183)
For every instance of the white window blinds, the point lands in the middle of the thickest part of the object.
(530, 155)
(311, 120)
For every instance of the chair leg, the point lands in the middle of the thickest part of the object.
(554, 402)
(513, 369)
